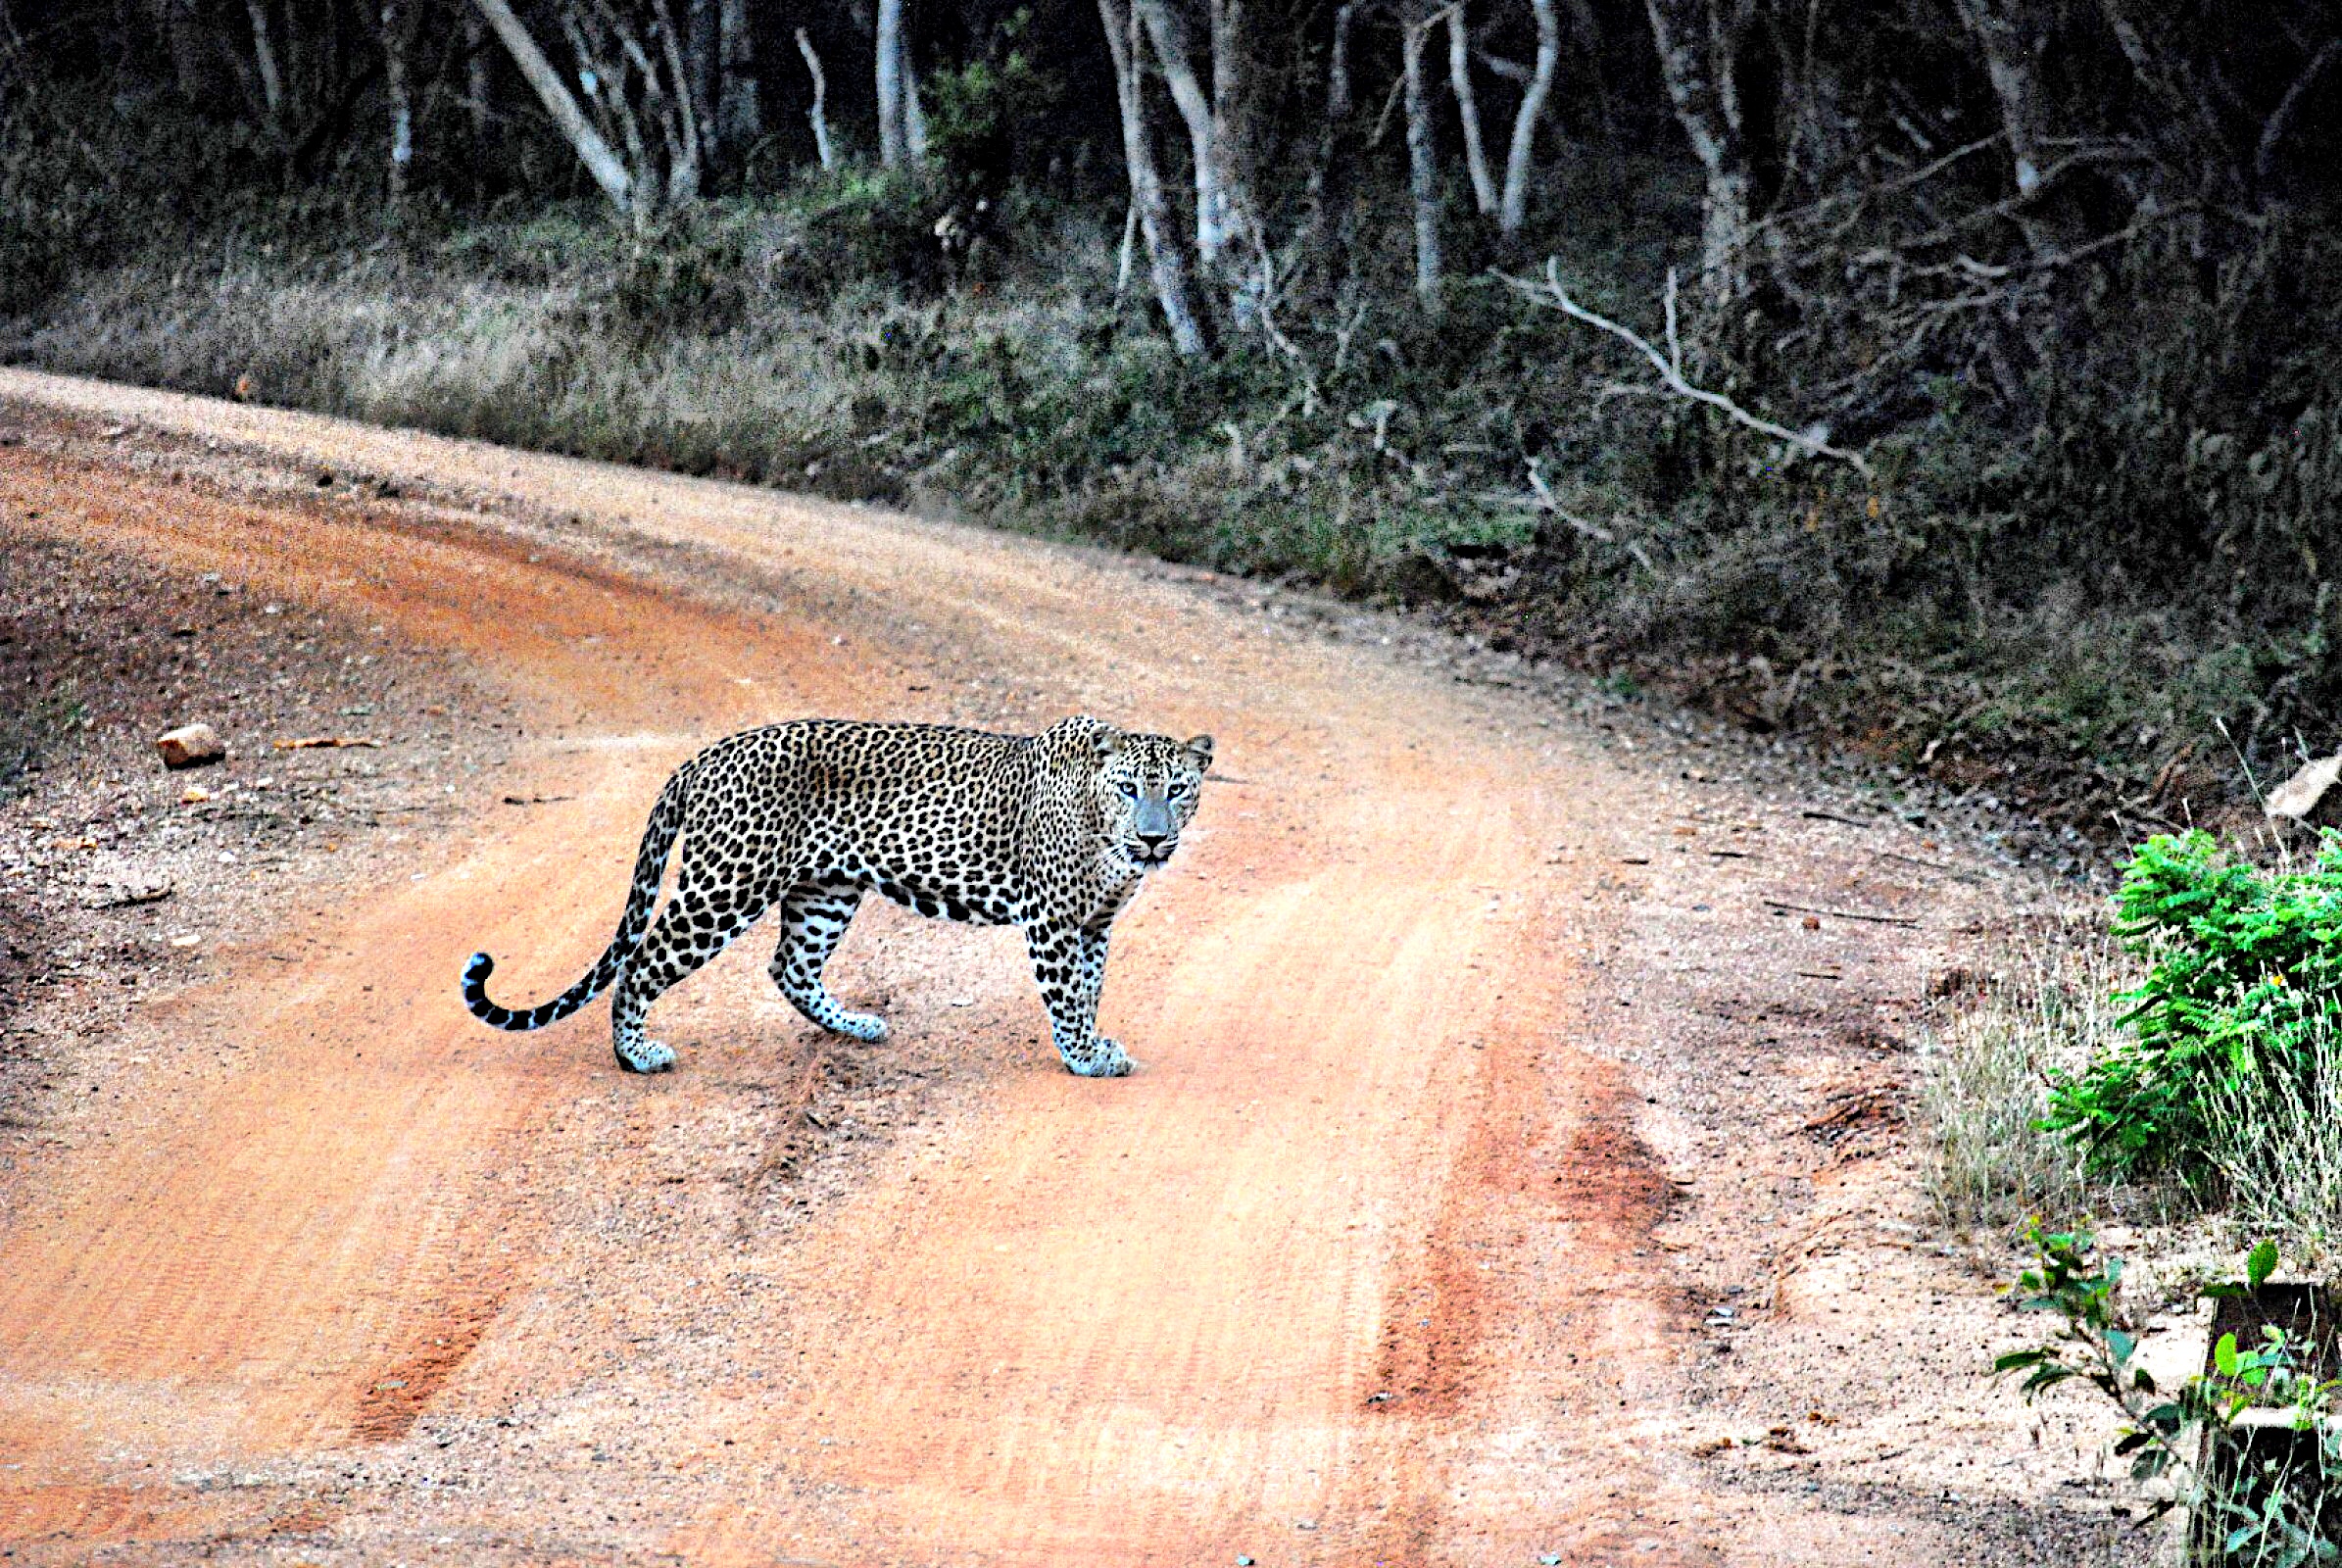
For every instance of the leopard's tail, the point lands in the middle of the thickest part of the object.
(650, 865)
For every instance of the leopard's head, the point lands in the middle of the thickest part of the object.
(1147, 786)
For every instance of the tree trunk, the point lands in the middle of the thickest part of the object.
(397, 36)
(1423, 174)
(890, 82)
(739, 109)
(1328, 181)
(2012, 35)
(700, 68)
(1698, 45)
(1179, 76)
(819, 113)
(1513, 210)
(475, 82)
(1231, 109)
(264, 56)
(678, 115)
(1146, 186)
(1467, 109)
(915, 116)
(194, 66)
(608, 173)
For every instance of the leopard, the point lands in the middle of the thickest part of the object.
(1053, 832)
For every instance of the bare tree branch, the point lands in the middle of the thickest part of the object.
(2264, 155)
(1670, 367)
(1551, 505)
(817, 114)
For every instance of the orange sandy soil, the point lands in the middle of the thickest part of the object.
(1477, 1077)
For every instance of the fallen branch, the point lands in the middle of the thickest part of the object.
(1843, 915)
(1592, 530)
(1670, 367)
(131, 898)
(312, 742)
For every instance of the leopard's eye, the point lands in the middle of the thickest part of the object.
(1130, 787)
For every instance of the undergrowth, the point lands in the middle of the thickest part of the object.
(2043, 1004)
(2180, 1052)
(1980, 612)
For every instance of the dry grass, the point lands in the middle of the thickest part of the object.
(2277, 1140)
(2044, 1006)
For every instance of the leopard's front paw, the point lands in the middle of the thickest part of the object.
(646, 1056)
(1106, 1060)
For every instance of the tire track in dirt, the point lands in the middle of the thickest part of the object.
(1146, 1319)
(307, 1244)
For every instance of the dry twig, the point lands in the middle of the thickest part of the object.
(1670, 367)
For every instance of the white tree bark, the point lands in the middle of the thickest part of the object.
(475, 77)
(1422, 173)
(1179, 76)
(739, 110)
(1697, 45)
(819, 113)
(601, 162)
(1467, 109)
(1154, 212)
(701, 51)
(264, 54)
(397, 29)
(915, 114)
(889, 44)
(1513, 210)
(2011, 36)
(678, 117)
(1338, 70)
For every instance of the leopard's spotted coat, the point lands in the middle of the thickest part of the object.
(1051, 832)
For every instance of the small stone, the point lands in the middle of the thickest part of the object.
(189, 745)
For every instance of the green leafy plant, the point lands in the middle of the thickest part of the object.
(2268, 1512)
(2245, 967)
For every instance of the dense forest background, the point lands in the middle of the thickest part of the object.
(1950, 377)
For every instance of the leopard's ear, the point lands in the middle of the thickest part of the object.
(1109, 741)
(1200, 749)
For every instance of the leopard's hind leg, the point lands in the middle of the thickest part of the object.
(813, 916)
(698, 923)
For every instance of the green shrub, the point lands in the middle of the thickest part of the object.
(2253, 1503)
(2246, 971)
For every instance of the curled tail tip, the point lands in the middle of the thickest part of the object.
(476, 992)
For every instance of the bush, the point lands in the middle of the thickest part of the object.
(2246, 973)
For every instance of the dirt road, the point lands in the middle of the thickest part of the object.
(1371, 1261)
